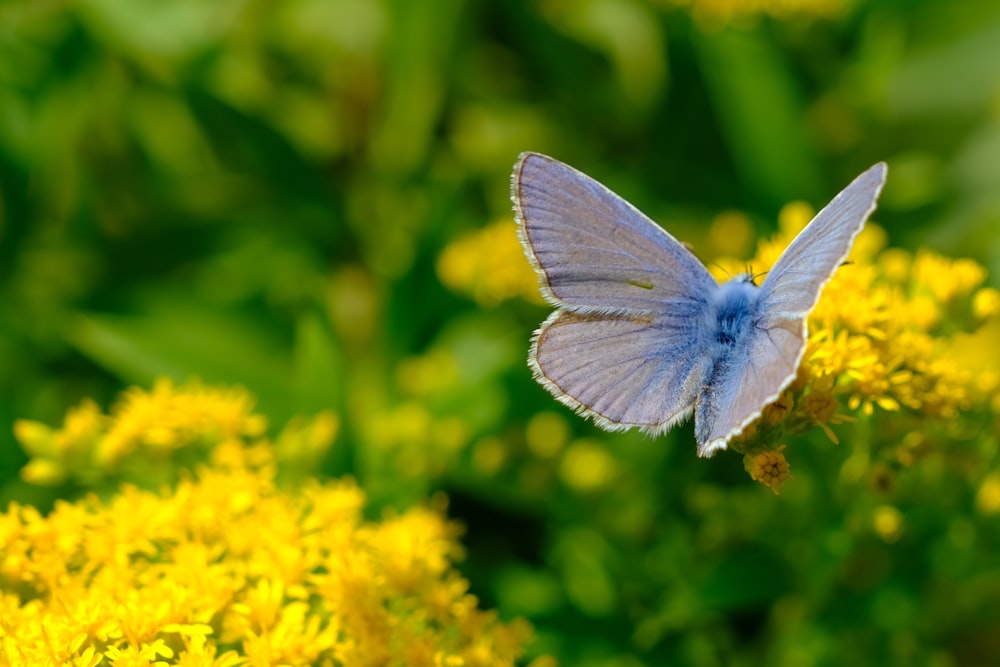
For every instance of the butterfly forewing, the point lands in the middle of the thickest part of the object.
(793, 285)
(595, 252)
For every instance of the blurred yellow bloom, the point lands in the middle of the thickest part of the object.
(587, 466)
(228, 569)
(888, 523)
(546, 434)
(945, 278)
(427, 374)
(489, 455)
(413, 434)
(794, 216)
(731, 234)
(489, 266)
(986, 303)
(988, 497)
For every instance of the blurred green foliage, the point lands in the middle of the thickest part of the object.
(258, 193)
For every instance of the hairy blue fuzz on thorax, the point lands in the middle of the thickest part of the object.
(728, 321)
(730, 315)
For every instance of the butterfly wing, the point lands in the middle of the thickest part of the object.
(621, 370)
(793, 285)
(737, 392)
(592, 250)
(624, 346)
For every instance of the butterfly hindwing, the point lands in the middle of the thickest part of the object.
(623, 371)
(737, 392)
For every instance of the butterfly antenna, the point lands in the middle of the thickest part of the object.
(754, 276)
(724, 270)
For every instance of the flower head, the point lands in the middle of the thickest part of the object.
(489, 266)
(768, 467)
(226, 568)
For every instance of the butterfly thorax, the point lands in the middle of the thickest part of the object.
(730, 314)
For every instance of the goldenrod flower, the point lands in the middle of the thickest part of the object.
(988, 496)
(587, 466)
(821, 407)
(146, 428)
(888, 523)
(768, 467)
(986, 303)
(228, 569)
(489, 266)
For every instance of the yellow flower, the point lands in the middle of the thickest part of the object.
(55, 453)
(228, 569)
(489, 266)
(946, 278)
(888, 523)
(547, 434)
(821, 406)
(986, 303)
(144, 427)
(769, 468)
(168, 418)
(731, 233)
(988, 497)
(587, 466)
(776, 412)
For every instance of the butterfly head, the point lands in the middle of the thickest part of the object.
(747, 277)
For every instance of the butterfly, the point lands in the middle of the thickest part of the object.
(643, 335)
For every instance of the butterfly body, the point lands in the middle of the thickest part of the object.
(730, 313)
(642, 335)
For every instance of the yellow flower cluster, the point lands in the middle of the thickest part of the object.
(228, 569)
(908, 333)
(143, 424)
(489, 266)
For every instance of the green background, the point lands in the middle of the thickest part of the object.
(257, 193)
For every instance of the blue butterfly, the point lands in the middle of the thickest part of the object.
(643, 335)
